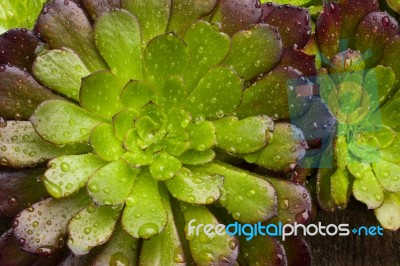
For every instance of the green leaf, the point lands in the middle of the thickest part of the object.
(388, 175)
(144, 215)
(389, 213)
(91, 227)
(119, 28)
(193, 157)
(254, 51)
(164, 56)
(120, 249)
(47, 220)
(60, 122)
(206, 250)
(262, 250)
(123, 122)
(177, 121)
(392, 153)
(340, 187)
(218, 93)
(173, 94)
(341, 152)
(19, 14)
(106, 145)
(98, 90)
(286, 146)
(201, 135)
(68, 26)
(21, 146)
(208, 47)
(323, 189)
(165, 166)
(61, 70)
(382, 79)
(138, 158)
(245, 136)
(112, 184)
(136, 94)
(368, 190)
(249, 198)
(195, 187)
(185, 12)
(99, 7)
(165, 248)
(271, 96)
(153, 16)
(67, 174)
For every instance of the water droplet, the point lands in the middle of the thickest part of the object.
(87, 230)
(148, 230)
(385, 21)
(119, 259)
(178, 255)
(94, 187)
(13, 201)
(65, 167)
(53, 189)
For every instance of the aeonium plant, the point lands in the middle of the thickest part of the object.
(359, 46)
(123, 121)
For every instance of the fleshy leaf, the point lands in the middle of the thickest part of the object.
(165, 248)
(373, 32)
(225, 89)
(10, 252)
(201, 135)
(237, 15)
(352, 13)
(106, 145)
(144, 215)
(271, 96)
(165, 166)
(206, 250)
(61, 70)
(234, 135)
(60, 122)
(153, 16)
(254, 51)
(267, 8)
(340, 187)
(98, 90)
(389, 213)
(392, 153)
(125, 62)
(47, 222)
(387, 175)
(67, 26)
(392, 50)
(20, 93)
(123, 122)
(294, 202)
(12, 201)
(120, 249)
(293, 24)
(112, 184)
(18, 47)
(327, 29)
(297, 251)
(21, 146)
(368, 190)
(263, 250)
(249, 198)
(96, 8)
(193, 157)
(185, 12)
(67, 174)
(383, 79)
(91, 227)
(300, 60)
(195, 187)
(165, 55)
(136, 94)
(284, 150)
(173, 93)
(324, 197)
(206, 52)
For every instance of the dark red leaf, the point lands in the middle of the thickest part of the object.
(301, 61)
(373, 32)
(19, 189)
(328, 29)
(10, 254)
(20, 94)
(263, 250)
(297, 251)
(17, 47)
(391, 53)
(293, 24)
(97, 7)
(353, 12)
(237, 15)
(267, 8)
